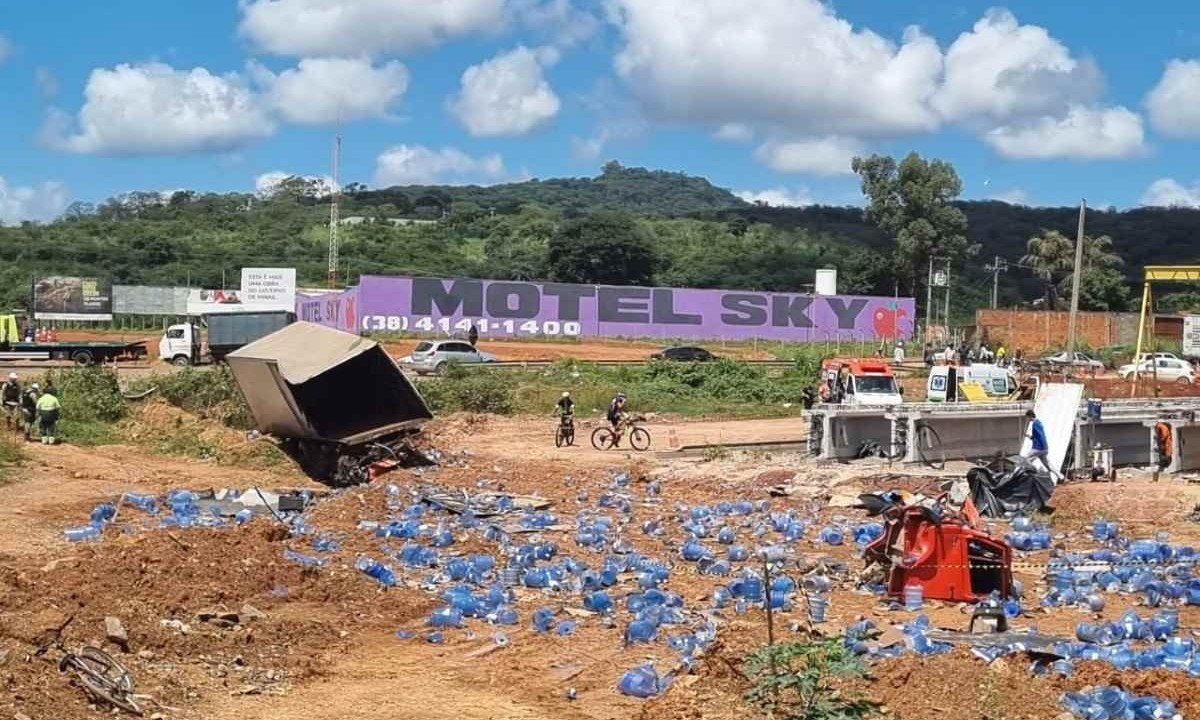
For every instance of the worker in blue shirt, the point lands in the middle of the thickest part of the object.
(1039, 449)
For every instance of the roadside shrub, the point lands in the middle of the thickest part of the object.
(463, 390)
(798, 681)
(89, 394)
(211, 393)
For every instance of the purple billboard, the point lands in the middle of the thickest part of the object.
(503, 309)
(337, 310)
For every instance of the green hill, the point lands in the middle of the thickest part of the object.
(701, 235)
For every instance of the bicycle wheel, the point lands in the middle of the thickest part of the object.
(639, 439)
(603, 438)
(103, 677)
(570, 434)
(929, 447)
(559, 437)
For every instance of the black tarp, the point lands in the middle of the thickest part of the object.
(1010, 486)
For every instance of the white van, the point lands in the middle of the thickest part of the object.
(996, 381)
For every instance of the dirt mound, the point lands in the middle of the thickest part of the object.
(171, 431)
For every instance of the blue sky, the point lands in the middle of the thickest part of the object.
(1033, 102)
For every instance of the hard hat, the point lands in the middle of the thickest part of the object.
(12, 376)
(35, 386)
(566, 394)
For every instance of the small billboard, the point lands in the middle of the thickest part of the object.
(72, 298)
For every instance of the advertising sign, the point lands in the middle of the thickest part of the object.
(269, 288)
(1191, 336)
(263, 290)
(502, 309)
(72, 298)
(337, 310)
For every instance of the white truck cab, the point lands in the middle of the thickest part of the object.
(180, 345)
(860, 382)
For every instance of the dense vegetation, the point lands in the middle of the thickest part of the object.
(626, 224)
(725, 387)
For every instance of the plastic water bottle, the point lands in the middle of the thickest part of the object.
(640, 682)
(147, 503)
(640, 631)
(817, 606)
(308, 560)
(446, 617)
(243, 516)
(831, 536)
(80, 534)
(543, 619)
(914, 597)
(598, 602)
(102, 513)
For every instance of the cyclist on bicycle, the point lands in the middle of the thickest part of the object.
(616, 411)
(565, 406)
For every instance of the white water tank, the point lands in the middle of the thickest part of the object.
(826, 282)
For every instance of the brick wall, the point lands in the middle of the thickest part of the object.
(1034, 331)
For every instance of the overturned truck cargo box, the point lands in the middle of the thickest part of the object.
(338, 401)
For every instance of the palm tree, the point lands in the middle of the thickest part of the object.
(1097, 255)
(1049, 254)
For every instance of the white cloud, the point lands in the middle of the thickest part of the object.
(1085, 133)
(1168, 192)
(734, 132)
(585, 149)
(507, 95)
(784, 63)
(43, 202)
(352, 27)
(1002, 70)
(1016, 196)
(268, 182)
(777, 197)
(419, 165)
(46, 82)
(558, 20)
(324, 90)
(618, 118)
(819, 156)
(154, 108)
(1174, 103)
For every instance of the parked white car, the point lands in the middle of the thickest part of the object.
(434, 356)
(1080, 360)
(1168, 369)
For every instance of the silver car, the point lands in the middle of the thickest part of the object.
(434, 356)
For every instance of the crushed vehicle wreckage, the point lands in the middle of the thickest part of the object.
(337, 402)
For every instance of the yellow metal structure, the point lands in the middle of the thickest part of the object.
(1157, 273)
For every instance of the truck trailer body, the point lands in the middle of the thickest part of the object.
(338, 400)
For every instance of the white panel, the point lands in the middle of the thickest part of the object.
(1057, 406)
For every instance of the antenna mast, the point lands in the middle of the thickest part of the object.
(334, 214)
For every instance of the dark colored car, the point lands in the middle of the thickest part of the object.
(684, 354)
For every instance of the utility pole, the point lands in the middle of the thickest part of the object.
(998, 266)
(947, 318)
(334, 211)
(928, 299)
(1075, 279)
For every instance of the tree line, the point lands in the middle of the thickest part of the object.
(625, 226)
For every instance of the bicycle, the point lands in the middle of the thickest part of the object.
(101, 675)
(605, 438)
(564, 434)
(928, 446)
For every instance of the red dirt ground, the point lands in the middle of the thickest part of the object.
(326, 647)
